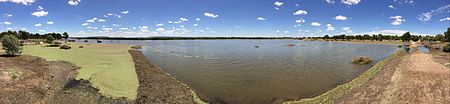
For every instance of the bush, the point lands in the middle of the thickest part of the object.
(11, 45)
(361, 60)
(66, 47)
(80, 47)
(447, 48)
(49, 39)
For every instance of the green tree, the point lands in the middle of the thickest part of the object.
(380, 37)
(11, 45)
(406, 37)
(65, 35)
(326, 37)
(49, 39)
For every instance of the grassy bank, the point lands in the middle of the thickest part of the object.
(332, 95)
(109, 68)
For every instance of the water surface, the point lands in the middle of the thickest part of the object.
(235, 71)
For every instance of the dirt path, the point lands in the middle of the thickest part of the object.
(416, 78)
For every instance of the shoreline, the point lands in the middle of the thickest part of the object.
(384, 42)
(331, 96)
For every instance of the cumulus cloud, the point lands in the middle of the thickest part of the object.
(40, 12)
(92, 20)
(37, 25)
(8, 15)
(315, 24)
(300, 12)
(84, 24)
(398, 20)
(347, 29)
(261, 19)
(340, 17)
(300, 20)
(197, 19)
(350, 2)
(73, 2)
(330, 27)
(278, 4)
(184, 19)
(404, 1)
(101, 20)
(428, 15)
(388, 32)
(211, 15)
(125, 12)
(330, 1)
(391, 6)
(160, 30)
(50, 22)
(445, 19)
(7, 23)
(159, 25)
(195, 25)
(24, 2)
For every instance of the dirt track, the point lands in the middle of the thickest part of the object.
(416, 78)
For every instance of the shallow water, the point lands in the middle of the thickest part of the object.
(235, 71)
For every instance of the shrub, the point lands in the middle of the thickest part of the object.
(11, 45)
(15, 73)
(447, 48)
(49, 39)
(66, 47)
(80, 47)
(361, 60)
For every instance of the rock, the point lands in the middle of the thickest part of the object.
(136, 47)
(291, 45)
(256, 46)
(81, 47)
(447, 64)
(66, 47)
(362, 60)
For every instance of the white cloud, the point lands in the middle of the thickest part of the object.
(195, 25)
(315, 24)
(445, 19)
(197, 19)
(7, 23)
(330, 27)
(125, 12)
(300, 20)
(95, 28)
(388, 32)
(428, 15)
(84, 24)
(350, 2)
(8, 15)
(143, 27)
(39, 12)
(107, 29)
(211, 15)
(330, 1)
(404, 1)
(123, 28)
(160, 30)
(300, 12)
(159, 25)
(50, 22)
(261, 19)
(91, 20)
(73, 2)
(398, 20)
(391, 6)
(347, 29)
(24, 2)
(278, 3)
(101, 20)
(41, 30)
(37, 25)
(183, 19)
(340, 17)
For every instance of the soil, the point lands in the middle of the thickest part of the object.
(157, 86)
(415, 78)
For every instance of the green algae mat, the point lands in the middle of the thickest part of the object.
(108, 67)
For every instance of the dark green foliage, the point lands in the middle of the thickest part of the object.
(447, 35)
(11, 45)
(447, 48)
(406, 37)
(49, 39)
(26, 35)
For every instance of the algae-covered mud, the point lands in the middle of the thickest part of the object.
(235, 71)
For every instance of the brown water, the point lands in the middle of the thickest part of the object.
(236, 72)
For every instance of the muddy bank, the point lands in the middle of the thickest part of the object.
(28, 79)
(157, 86)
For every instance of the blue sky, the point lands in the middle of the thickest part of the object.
(298, 18)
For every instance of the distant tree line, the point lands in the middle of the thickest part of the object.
(380, 37)
(183, 38)
(27, 35)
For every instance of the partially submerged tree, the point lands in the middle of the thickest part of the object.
(11, 45)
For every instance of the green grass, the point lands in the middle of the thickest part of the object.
(109, 68)
(331, 96)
